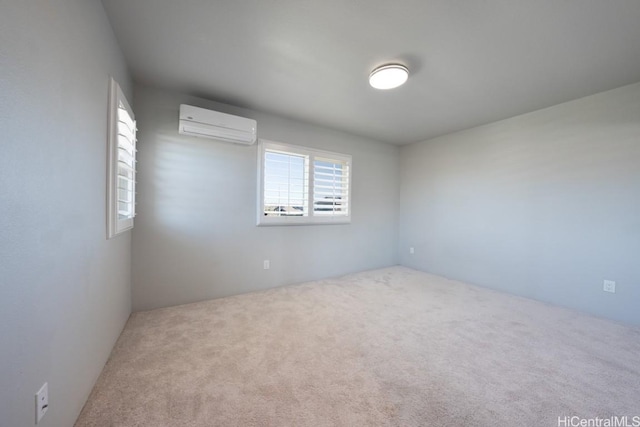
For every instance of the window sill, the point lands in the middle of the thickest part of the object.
(264, 222)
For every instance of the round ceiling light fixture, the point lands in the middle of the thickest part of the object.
(388, 76)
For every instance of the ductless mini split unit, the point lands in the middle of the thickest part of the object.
(205, 123)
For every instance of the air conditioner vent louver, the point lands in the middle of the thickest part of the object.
(203, 123)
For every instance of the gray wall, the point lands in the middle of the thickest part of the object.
(544, 205)
(195, 235)
(65, 290)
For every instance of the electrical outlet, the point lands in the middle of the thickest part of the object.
(609, 286)
(411, 250)
(42, 402)
(266, 265)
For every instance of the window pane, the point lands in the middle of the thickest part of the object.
(285, 184)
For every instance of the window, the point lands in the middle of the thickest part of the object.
(299, 185)
(121, 179)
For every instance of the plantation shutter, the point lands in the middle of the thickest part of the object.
(126, 163)
(301, 185)
(330, 187)
(121, 167)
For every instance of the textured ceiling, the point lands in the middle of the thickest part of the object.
(471, 62)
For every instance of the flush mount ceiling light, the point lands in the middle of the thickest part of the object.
(388, 76)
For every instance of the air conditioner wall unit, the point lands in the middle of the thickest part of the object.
(200, 122)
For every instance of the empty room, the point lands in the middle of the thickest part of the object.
(319, 213)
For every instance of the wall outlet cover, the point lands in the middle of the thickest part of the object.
(42, 402)
(609, 286)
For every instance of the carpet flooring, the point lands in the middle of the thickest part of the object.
(390, 347)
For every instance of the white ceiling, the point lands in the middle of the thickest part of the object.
(471, 62)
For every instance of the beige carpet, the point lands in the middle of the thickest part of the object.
(391, 347)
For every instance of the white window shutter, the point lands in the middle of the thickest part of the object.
(300, 185)
(122, 163)
(330, 187)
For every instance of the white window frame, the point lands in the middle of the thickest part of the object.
(116, 225)
(312, 218)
